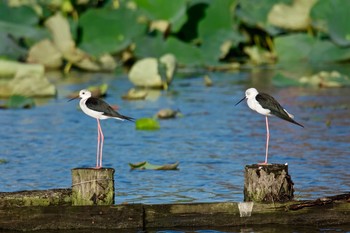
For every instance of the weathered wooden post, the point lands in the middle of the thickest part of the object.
(268, 183)
(92, 186)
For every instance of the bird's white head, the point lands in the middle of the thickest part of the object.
(251, 93)
(84, 94)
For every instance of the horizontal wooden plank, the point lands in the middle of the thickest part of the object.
(30, 218)
(322, 212)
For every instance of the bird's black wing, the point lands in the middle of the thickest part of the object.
(268, 102)
(101, 106)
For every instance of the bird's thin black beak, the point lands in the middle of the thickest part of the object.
(240, 101)
(73, 98)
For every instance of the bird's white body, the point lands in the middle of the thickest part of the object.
(253, 104)
(89, 112)
(85, 95)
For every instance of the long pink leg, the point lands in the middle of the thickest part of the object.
(98, 142)
(267, 139)
(102, 140)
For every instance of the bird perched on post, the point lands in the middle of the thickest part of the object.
(267, 106)
(99, 109)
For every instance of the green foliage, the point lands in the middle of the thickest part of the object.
(303, 47)
(254, 13)
(332, 17)
(216, 28)
(109, 31)
(280, 80)
(147, 124)
(198, 32)
(293, 48)
(18, 30)
(23, 15)
(19, 101)
(171, 11)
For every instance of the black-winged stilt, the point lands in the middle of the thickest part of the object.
(267, 106)
(100, 110)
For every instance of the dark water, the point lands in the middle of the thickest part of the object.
(213, 141)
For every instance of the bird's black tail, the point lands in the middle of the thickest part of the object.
(127, 118)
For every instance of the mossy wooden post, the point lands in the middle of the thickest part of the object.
(92, 186)
(268, 183)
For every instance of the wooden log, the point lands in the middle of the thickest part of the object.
(92, 186)
(268, 183)
(33, 218)
(326, 211)
(48, 197)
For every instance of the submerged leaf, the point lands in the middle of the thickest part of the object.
(19, 101)
(3, 161)
(147, 124)
(147, 166)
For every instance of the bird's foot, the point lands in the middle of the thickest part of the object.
(264, 163)
(97, 167)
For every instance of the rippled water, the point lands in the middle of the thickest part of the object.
(213, 141)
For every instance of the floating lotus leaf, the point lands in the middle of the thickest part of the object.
(109, 31)
(147, 124)
(172, 11)
(332, 17)
(19, 101)
(148, 166)
(295, 47)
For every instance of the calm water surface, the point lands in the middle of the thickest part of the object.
(213, 141)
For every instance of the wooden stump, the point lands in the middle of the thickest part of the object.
(267, 183)
(92, 186)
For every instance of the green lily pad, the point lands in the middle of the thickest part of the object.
(280, 80)
(295, 47)
(255, 13)
(109, 31)
(218, 27)
(21, 23)
(19, 101)
(172, 11)
(147, 166)
(327, 51)
(302, 47)
(332, 17)
(23, 15)
(147, 124)
(319, 15)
